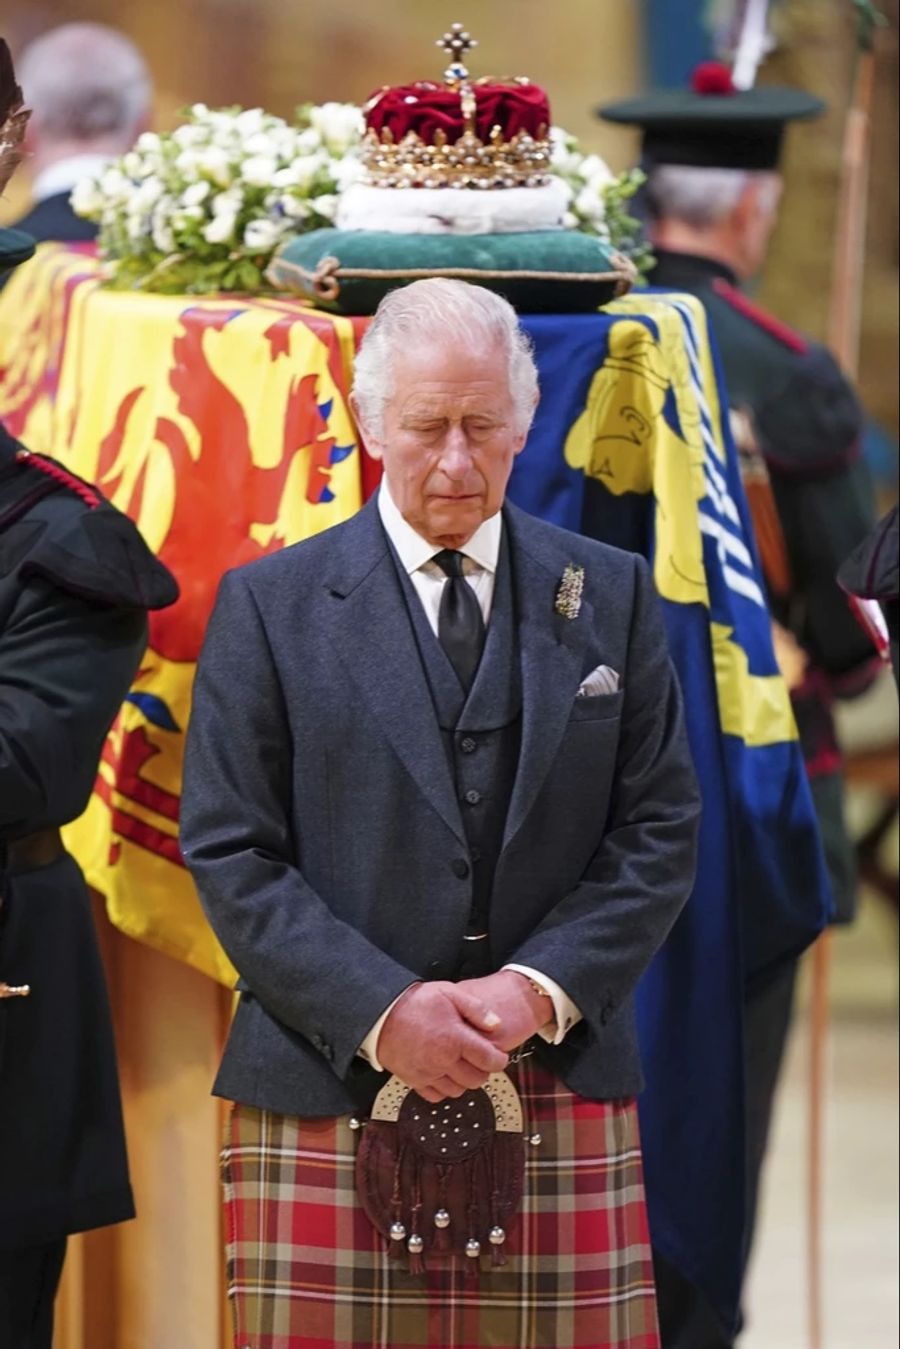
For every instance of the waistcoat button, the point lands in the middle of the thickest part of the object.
(473, 797)
(467, 744)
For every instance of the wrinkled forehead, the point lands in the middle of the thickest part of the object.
(439, 372)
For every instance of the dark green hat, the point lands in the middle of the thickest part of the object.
(15, 247)
(713, 125)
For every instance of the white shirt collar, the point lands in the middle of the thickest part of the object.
(65, 173)
(414, 551)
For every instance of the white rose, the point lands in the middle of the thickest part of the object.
(295, 207)
(137, 226)
(195, 194)
(325, 205)
(147, 195)
(258, 170)
(563, 158)
(589, 203)
(187, 163)
(306, 168)
(339, 124)
(595, 172)
(283, 143)
(213, 161)
(189, 135)
(308, 141)
(220, 229)
(283, 178)
(263, 143)
(163, 237)
(148, 142)
(134, 165)
(187, 215)
(228, 203)
(250, 122)
(347, 171)
(87, 199)
(199, 109)
(114, 184)
(262, 235)
(219, 123)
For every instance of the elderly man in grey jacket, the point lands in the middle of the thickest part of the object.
(441, 812)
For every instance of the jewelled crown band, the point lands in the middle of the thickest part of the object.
(463, 133)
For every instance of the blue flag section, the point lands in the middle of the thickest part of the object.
(631, 445)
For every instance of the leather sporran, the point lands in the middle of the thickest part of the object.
(443, 1179)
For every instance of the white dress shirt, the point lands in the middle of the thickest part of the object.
(480, 557)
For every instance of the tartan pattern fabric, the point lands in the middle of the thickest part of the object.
(306, 1270)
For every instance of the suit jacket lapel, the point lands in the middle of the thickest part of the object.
(372, 634)
(552, 655)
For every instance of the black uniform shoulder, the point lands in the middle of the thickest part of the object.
(56, 526)
(805, 412)
(872, 571)
(53, 219)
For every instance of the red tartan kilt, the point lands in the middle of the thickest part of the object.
(307, 1270)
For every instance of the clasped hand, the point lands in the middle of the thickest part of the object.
(443, 1039)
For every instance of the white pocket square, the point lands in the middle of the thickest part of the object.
(602, 680)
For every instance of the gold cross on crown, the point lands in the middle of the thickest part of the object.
(456, 43)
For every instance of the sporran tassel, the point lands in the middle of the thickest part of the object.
(496, 1236)
(397, 1243)
(416, 1244)
(442, 1231)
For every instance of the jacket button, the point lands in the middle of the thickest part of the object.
(460, 867)
(468, 745)
(473, 797)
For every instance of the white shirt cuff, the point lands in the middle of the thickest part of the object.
(566, 1014)
(368, 1050)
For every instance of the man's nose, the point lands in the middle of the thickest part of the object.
(456, 455)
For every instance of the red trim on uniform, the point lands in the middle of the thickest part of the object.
(56, 471)
(824, 764)
(768, 322)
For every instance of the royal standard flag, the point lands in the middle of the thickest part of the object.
(630, 446)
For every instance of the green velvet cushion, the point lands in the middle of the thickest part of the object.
(553, 271)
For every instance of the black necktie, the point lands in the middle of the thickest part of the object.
(460, 623)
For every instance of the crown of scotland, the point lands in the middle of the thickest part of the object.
(463, 133)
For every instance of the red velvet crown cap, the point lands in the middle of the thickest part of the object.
(426, 108)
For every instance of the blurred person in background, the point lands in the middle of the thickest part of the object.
(76, 581)
(90, 95)
(713, 190)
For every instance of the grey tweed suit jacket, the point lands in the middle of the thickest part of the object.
(321, 824)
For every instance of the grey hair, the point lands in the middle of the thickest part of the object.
(452, 312)
(84, 81)
(700, 197)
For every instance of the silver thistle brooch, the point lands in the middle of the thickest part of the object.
(568, 596)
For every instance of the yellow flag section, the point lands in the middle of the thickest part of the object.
(221, 427)
(652, 425)
(34, 307)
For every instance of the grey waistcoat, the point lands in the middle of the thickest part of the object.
(481, 735)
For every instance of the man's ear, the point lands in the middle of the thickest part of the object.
(746, 208)
(521, 445)
(374, 447)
